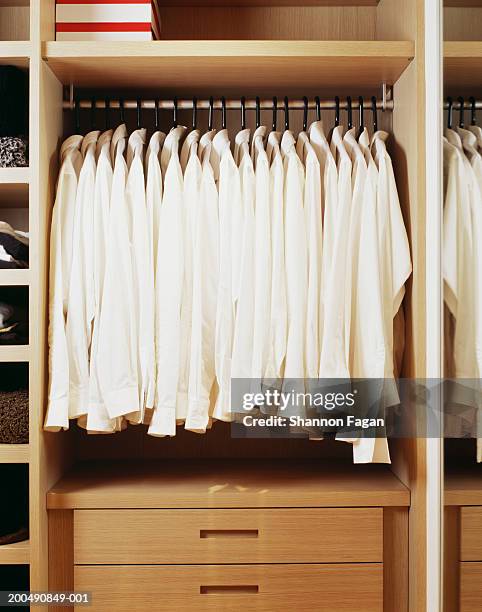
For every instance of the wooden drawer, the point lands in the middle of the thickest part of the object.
(301, 535)
(232, 588)
(471, 533)
(470, 587)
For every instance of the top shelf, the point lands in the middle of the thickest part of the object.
(253, 67)
(15, 53)
(463, 3)
(463, 65)
(245, 3)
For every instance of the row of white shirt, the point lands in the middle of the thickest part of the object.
(462, 259)
(176, 269)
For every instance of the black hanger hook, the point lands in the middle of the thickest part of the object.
(243, 113)
(450, 113)
(275, 113)
(258, 112)
(121, 110)
(350, 112)
(318, 108)
(287, 113)
(174, 113)
(77, 115)
(360, 115)
(138, 113)
(473, 111)
(107, 109)
(461, 101)
(305, 113)
(194, 113)
(223, 113)
(375, 114)
(92, 113)
(211, 113)
(337, 111)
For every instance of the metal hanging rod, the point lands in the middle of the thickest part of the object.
(251, 104)
(468, 105)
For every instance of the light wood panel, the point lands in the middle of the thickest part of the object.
(470, 587)
(233, 587)
(222, 66)
(464, 487)
(471, 533)
(463, 67)
(14, 453)
(451, 545)
(395, 560)
(463, 3)
(15, 53)
(267, 22)
(463, 23)
(14, 22)
(14, 353)
(228, 536)
(14, 188)
(244, 484)
(15, 554)
(14, 277)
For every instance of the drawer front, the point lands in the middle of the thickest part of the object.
(313, 535)
(232, 588)
(470, 587)
(471, 533)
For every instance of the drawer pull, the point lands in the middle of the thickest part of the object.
(228, 533)
(232, 588)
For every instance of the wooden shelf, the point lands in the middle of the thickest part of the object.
(463, 487)
(226, 484)
(224, 67)
(463, 3)
(14, 277)
(463, 64)
(14, 453)
(15, 53)
(14, 353)
(14, 187)
(15, 554)
(245, 3)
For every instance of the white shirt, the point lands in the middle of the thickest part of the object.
(169, 285)
(205, 291)
(117, 347)
(61, 241)
(154, 192)
(229, 200)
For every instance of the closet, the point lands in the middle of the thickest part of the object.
(463, 475)
(210, 522)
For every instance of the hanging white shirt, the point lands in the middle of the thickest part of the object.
(296, 258)
(61, 240)
(169, 284)
(154, 189)
(242, 357)
(81, 308)
(262, 256)
(278, 321)
(229, 200)
(191, 167)
(205, 290)
(314, 235)
(117, 349)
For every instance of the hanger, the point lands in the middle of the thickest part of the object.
(350, 112)
(375, 114)
(194, 113)
(275, 113)
(318, 108)
(156, 113)
(211, 113)
(107, 109)
(287, 113)
(337, 111)
(305, 113)
(174, 113)
(360, 116)
(243, 113)
(462, 112)
(121, 109)
(473, 112)
(77, 116)
(450, 114)
(258, 112)
(223, 113)
(138, 112)
(92, 114)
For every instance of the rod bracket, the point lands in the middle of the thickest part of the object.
(387, 95)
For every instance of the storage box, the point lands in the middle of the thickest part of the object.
(121, 20)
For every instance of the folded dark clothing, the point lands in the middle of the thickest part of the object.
(17, 536)
(14, 417)
(11, 265)
(13, 324)
(14, 247)
(13, 152)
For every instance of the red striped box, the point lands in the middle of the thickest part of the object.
(107, 20)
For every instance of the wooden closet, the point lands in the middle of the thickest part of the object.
(209, 522)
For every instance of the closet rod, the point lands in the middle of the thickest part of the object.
(467, 105)
(187, 104)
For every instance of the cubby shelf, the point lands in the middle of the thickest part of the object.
(20, 352)
(14, 187)
(15, 554)
(229, 66)
(463, 3)
(334, 3)
(15, 53)
(462, 64)
(14, 453)
(463, 487)
(14, 277)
